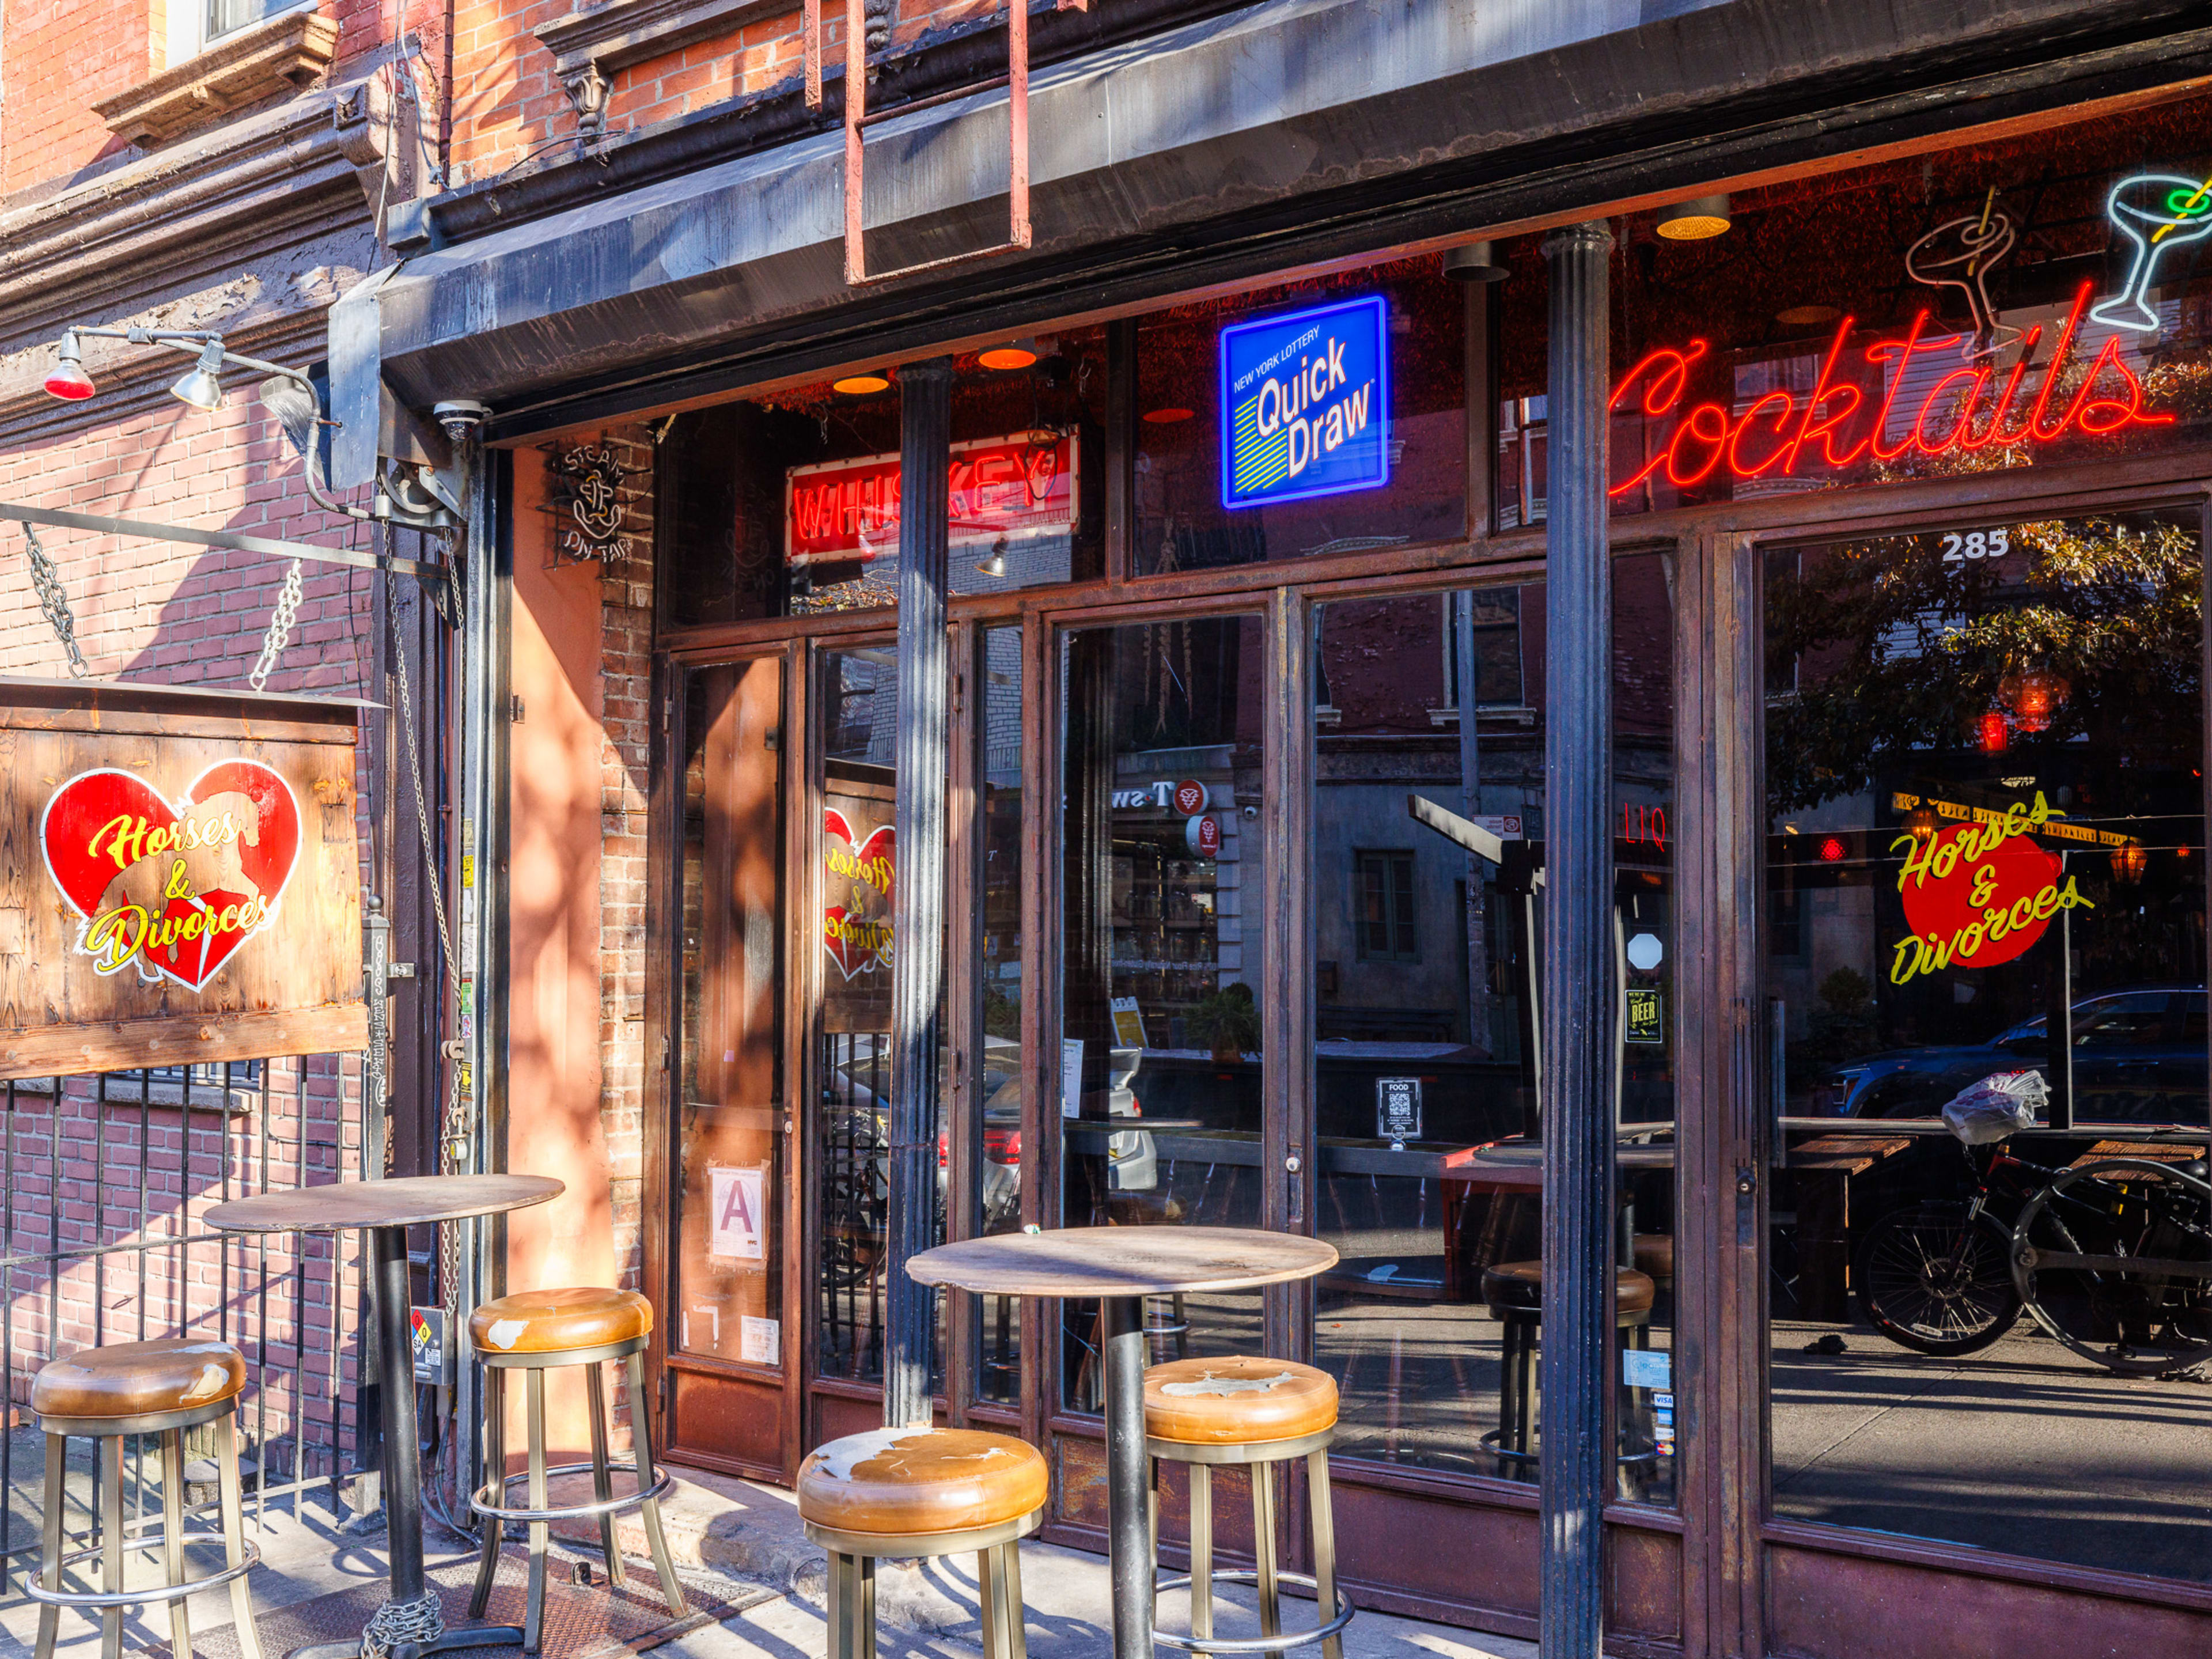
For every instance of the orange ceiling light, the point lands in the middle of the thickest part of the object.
(1166, 416)
(861, 385)
(1015, 353)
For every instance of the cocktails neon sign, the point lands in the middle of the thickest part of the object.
(1839, 425)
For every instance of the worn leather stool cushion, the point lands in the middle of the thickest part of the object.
(547, 1321)
(134, 1379)
(1655, 1254)
(1518, 1287)
(1237, 1402)
(909, 1482)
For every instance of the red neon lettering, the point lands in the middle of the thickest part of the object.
(1839, 425)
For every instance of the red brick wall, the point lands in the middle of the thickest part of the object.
(50, 130)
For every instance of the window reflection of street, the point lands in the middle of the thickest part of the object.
(1986, 820)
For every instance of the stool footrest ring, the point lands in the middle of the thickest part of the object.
(572, 1511)
(1238, 1645)
(153, 1595)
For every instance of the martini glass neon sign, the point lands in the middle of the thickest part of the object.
(2158, 212)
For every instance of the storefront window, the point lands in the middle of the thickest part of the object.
(1428, 898)
(1991, 1250)
(788, 504)
(1161, 962)
(999, 974)
(729, 1268)
(2040, 300)
(1361, 443)
(859, 865)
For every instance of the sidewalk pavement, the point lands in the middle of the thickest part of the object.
(741, 1543)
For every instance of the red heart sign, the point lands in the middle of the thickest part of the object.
(174, 889)
(858, 936)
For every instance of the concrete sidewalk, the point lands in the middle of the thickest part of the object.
(740, 1529)
(741, 1544)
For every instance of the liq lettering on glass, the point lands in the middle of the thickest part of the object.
(1306, 404)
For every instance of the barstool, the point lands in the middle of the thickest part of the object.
(923, 1492)
(108, 1393)
(533, 1332)
(1515, 1291)
(1258, 1412)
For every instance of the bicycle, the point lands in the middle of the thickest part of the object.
(2111, 1259)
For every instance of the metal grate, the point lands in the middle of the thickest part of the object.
(106, 1177)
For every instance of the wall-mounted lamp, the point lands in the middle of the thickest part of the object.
(993, 563)
(68, 380)
(201, 385)
(1475, 262)
(1697, 220)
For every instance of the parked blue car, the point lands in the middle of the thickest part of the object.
(2139, 1058)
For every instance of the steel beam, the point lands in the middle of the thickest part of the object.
(1578, 1037)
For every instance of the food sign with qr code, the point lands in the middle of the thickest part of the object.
(1397, 1109)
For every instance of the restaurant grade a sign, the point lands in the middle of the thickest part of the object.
(182, 880)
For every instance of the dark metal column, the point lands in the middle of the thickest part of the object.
(1577, 1465)
(918, 905)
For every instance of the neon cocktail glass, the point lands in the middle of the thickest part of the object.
(2158, 212)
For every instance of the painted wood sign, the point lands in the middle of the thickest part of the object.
(180, 881)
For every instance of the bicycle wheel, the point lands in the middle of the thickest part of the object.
(1933, 1279)
(2114, 1259)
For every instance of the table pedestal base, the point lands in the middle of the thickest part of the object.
(471, 1636)
(1128, 1522)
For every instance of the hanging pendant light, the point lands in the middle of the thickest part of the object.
(2130, 861)
(1697, 220)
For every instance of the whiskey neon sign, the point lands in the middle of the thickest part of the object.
(1839, 425)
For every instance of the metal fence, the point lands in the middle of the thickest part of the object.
(106, 1179)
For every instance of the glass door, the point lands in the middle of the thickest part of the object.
(1989, 1251)
(729, 1351)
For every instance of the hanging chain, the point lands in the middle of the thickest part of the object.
(53, 599)
(280, 619)
(457, 1129)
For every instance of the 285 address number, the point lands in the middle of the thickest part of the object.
(1958, 547)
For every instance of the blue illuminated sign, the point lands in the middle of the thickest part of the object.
(1306, 404)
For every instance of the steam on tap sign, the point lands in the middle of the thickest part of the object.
(183, 882)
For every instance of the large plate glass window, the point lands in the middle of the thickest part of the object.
(1428, 869)
(1991, 1239)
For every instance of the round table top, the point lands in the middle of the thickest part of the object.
(408, 1201)
(1083, 1262)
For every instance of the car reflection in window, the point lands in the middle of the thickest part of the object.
(2139, 1057)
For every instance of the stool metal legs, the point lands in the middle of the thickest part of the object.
(999, 1588)
(491, 1502)
(1259, 1461)
(852, 1610)
(116, 1546)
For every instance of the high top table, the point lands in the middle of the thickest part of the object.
(1121, 1267)
(412, 1623)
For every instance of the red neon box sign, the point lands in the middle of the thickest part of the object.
(1860, 409)
(997, 487)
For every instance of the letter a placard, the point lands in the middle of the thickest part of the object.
(735, 1192)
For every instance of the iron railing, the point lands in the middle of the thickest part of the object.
(107, 1177)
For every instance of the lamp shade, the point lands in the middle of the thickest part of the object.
(1475, 262)
(68, 380)
(201, 385)
(1697, 220)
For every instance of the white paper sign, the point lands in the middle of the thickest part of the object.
(1070, 1077)
(1645, 1368)
(760, 1341)
(736, 1196)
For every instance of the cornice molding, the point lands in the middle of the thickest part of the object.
(262, 61)
(624, 32)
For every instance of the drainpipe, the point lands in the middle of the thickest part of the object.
(918, 905)
(1577, 1039)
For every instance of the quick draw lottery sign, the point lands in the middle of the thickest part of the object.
(1306, 404)
(1980, 893)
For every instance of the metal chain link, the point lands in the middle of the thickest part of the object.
(458, 1131)
(420, 1622)
(53, 599)
(280, 628)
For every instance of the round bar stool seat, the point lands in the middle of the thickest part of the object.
(923, 1492)
(534, 1332)
(1654, 1258)
(546, 1321)
(161, 1389)
(138, 1379)
(1258, 1412)
(1515, 1292)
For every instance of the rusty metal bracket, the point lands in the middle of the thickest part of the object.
(858, 118)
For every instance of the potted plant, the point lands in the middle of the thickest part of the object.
(1229, 1022)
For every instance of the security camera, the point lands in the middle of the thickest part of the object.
(461, 417)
